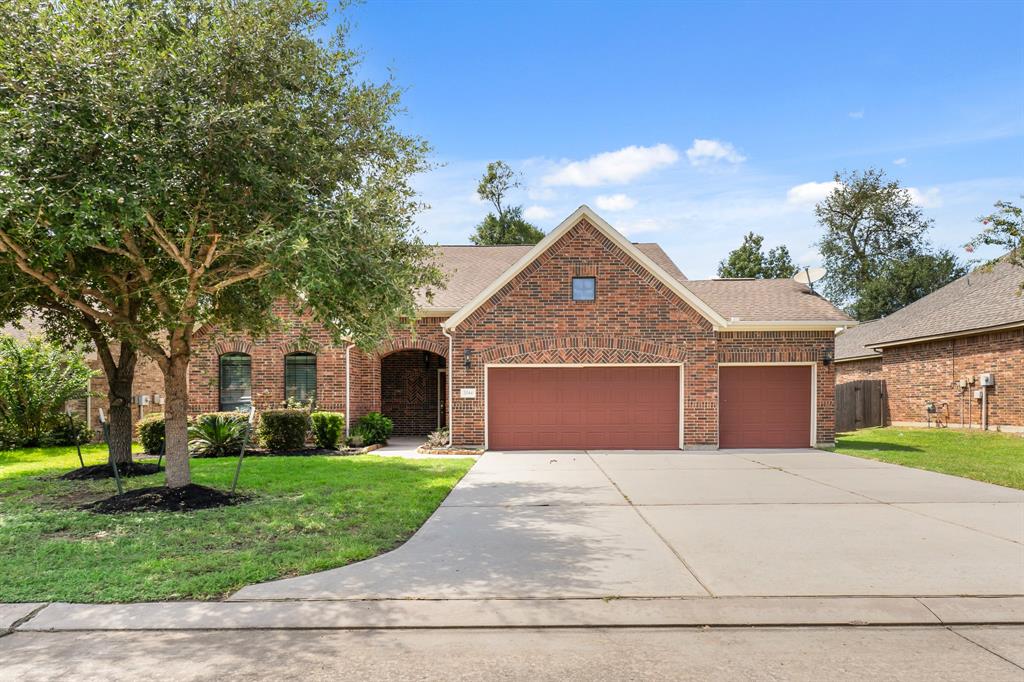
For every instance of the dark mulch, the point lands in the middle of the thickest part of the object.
(100, 471)
(162, 498)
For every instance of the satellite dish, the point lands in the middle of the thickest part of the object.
(809, 276)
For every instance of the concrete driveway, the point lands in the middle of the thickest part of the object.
(799, 523)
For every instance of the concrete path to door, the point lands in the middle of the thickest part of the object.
(729, 524)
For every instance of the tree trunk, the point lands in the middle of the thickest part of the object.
(120, 396)
(176, 421)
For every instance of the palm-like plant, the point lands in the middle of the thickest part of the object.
(214, 435)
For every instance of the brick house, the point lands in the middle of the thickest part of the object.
(585, 340)
(935, 350)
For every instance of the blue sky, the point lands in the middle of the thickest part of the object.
(690, 124)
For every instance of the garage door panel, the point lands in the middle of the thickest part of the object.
(765, 406)
(583, 407)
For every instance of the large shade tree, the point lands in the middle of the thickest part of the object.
(168, 164)
(750, 260)
(505, 224)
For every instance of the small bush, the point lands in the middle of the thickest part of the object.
(328, 428)
(374, 428)
(217, 434)
(284, 429)
(73, 431)
(151, 432)
(438, 439)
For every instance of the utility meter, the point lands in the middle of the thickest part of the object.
(987, 380)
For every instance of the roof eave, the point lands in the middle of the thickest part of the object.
(948, 335)
(787, 325)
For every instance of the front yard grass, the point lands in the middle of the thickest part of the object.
(306, 514)
(984, 456)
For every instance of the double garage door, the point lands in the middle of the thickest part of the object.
(637, 407)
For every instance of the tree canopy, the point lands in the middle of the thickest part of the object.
(875, 248)
(1003, 228)
(505, 225)
(166, 165)
(749, 260)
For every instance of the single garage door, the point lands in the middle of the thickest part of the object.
(764, 407)
(581, 408)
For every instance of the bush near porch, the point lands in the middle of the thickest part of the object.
(981, 455)
(307, 514)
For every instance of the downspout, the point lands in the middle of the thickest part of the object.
(348, 375)
(451, 370)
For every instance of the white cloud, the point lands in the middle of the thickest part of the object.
(900, 161)
(704, 152)
(611, 168)
(615, 202)
(536, 213)
(639, 226)
(541, 194)
(856, 114)
(809, 192)
(929, 198)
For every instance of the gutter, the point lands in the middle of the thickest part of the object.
(348, 389)
(449, 374)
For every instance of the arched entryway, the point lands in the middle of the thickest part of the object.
(413, 391)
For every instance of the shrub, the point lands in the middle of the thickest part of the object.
(374, 428)
(73, 430)
(328, 428)
(438, 439)
(217, 433)
(36, 380)
(284, 429)
(151, 432)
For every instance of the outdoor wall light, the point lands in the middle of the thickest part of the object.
(826, 359)
(467, 358)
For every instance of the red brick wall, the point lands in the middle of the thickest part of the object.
(858, 370)
(923, 372)
(635, 319)
(409, 391)
(299, 334)
(149, 380)
(790, 346)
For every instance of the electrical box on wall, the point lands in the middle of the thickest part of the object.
(987, 379)
(979, 394)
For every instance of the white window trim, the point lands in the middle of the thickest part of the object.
(513, 365)
(814, 392)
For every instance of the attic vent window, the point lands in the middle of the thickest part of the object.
(584, 288)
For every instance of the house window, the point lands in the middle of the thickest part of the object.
(583, 288)
(300, 377)
(235, 382)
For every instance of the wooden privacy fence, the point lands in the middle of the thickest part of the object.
(860, 404)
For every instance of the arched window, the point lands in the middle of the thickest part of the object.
(235, 382)
(300, 377)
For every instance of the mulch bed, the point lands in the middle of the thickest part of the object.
(162, 498)
(424, 450)
(98, 472)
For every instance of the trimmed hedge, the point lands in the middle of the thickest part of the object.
(374, 428)
(327, 428)
(284, 429)
(151, 432)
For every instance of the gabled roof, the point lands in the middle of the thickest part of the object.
(987, 298)
(670, 280)
(471, 268)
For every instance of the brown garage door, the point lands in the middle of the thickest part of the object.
(764, 407)
(583, 408)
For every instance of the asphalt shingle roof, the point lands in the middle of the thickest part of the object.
(850, 342)
(987, 297)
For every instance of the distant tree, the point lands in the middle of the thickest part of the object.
(749, 260)
(168, 165)
(36, 380)
(900, 283)
(505, 225)
(875, 249)
(1003, 228)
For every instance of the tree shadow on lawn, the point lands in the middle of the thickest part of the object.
(873, 446)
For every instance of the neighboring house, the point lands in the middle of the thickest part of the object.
(970, 327)
(148, 386)
(583, 341)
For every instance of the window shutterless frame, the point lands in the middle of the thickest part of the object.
(300, 377)
(584, 288)
(235, 381)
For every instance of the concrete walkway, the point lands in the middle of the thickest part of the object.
(804, 523)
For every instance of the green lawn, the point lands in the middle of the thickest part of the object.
(983, 456)
(308, 514)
